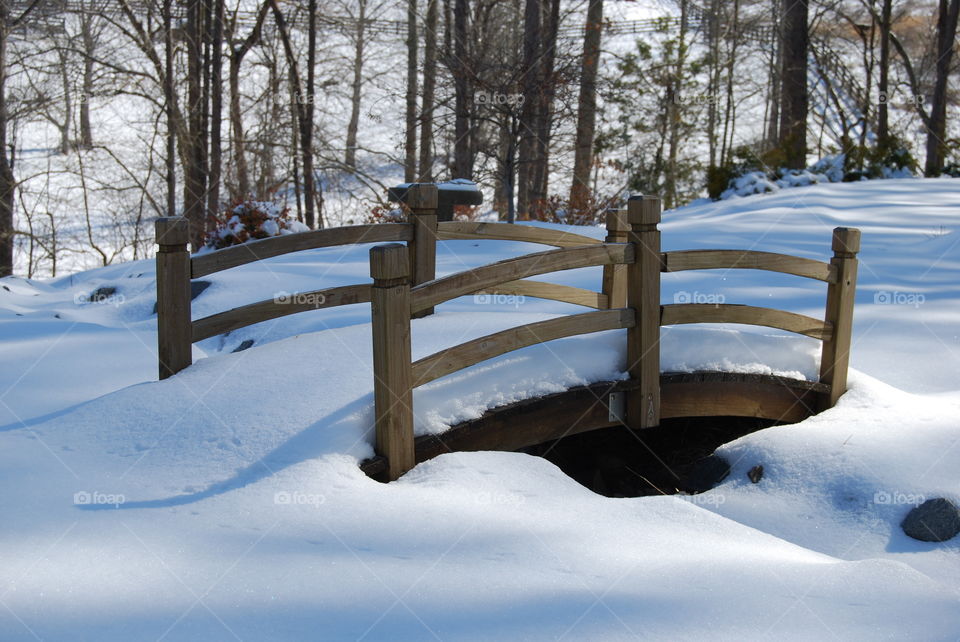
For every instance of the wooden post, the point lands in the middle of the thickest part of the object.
(643, 295)
(835, 357)
(615, 276)
(421, 201)
(174, 332)
(392, 393)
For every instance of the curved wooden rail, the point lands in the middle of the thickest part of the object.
(450, 287)
(584, 408)
(277, 245)
(679, 313)
(551, 291)
(493, 345)
(278, 307)
(467, 230)
(747, 260)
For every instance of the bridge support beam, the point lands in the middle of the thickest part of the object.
(643, 296)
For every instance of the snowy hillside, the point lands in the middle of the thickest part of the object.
(226, 502)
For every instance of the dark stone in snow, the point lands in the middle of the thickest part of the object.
(935, 520)
(755, 474)
(101, 294)
(6, 288)
(196, 289)
(246, 343)
(707, 473)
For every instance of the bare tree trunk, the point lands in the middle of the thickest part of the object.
(194, 188)
(548, 84)
(67, 102)
(674, 94)
(794, 100)
(89, 49)
(462, 144)
(528, 114)
(350, 155)
(237, 55)
(429, 93)
(410, 142)
(7, 181)
(216, 108)
(713, 83)
(312, 194)
(303, 104)
(883, 85)
(168, 95)
(729, 109)
(937, 129)
(773, 97)
(586, 107)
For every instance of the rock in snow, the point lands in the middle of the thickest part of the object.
(935, 520)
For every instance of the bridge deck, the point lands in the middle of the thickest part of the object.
(585, 408)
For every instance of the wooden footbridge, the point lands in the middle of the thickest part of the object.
(405, 287)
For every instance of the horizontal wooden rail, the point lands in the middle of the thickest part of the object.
(680, 313)
(277, 245)
(551, 291)
(277, 307)
(450, 287)
(467, 230)
(750, 260)
(493, 345)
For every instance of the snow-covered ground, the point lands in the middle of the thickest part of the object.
(226, 502)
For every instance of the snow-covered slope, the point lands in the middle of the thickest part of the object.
(226, 502)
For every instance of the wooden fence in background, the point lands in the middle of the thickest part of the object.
(405, 287)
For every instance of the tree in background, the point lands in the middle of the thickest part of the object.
(8, 183)
(587, 107)
(793, 84)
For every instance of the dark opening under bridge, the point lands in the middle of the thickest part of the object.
(405, 287)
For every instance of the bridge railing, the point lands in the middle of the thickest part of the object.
(834, 330)
(641, 314)
(404, 287)
(177, 330)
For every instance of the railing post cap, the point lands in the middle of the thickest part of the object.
(421, 196)
(389, 261)
(846, 240)
(643, 210)
(172, 230)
